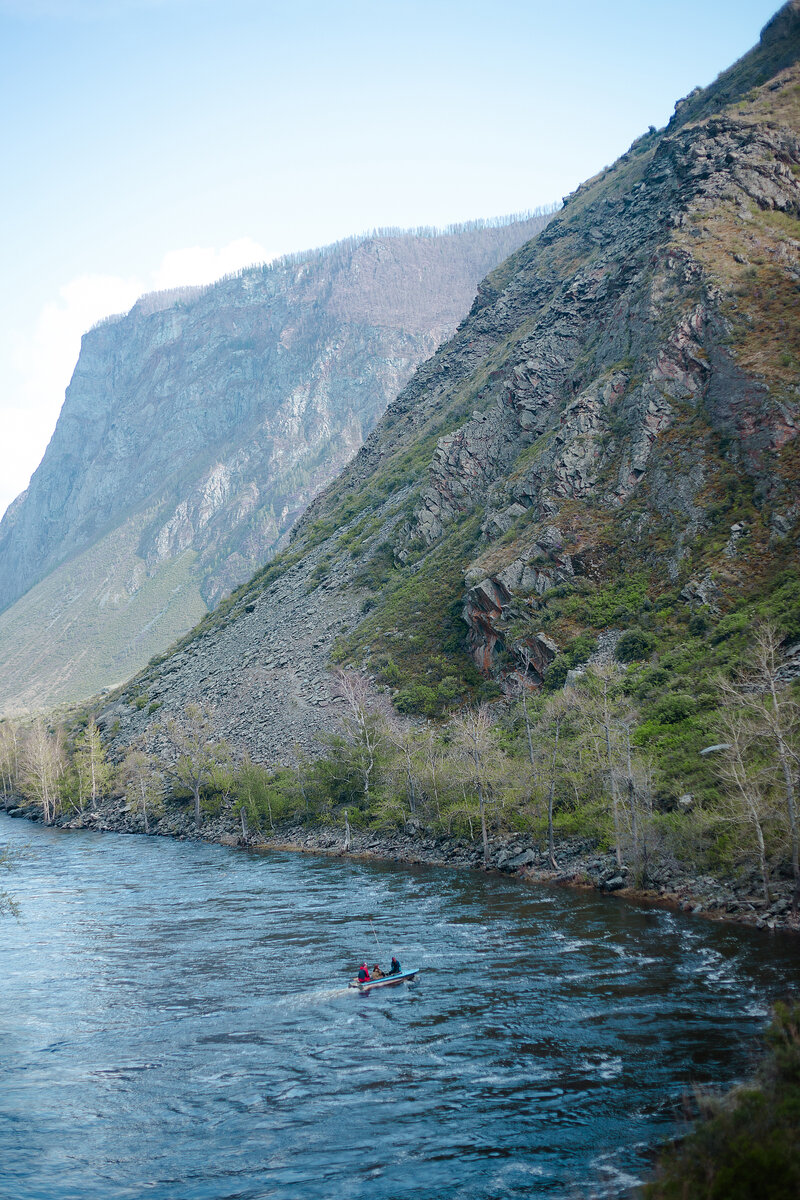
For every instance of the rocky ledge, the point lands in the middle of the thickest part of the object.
(580, 862)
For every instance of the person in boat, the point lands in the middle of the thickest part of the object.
(395, 967)
(363, 973)
(377, 973)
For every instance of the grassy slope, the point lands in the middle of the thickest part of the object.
(104, 607)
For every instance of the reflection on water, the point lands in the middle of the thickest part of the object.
(176, 1024)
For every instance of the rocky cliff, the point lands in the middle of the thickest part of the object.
(609, 442)
(197, 428)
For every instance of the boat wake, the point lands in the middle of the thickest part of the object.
(321, 996)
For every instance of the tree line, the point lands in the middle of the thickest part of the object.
(568, 763)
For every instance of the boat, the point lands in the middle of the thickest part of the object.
(384, 981)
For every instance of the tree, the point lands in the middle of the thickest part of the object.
(8, 906)
(780, 723)
(196, 753)
(141, 779)
(474, 739)
(43, 763)
(555, 716)
(604, 713)
(433, 761)
(94, 772)
(747, 796)
(9, 757)
(404, 742)
(761, 725)
(523, 694)
(365, 725)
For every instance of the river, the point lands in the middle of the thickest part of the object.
(176, 1025)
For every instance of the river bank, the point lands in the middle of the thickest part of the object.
(580, 862)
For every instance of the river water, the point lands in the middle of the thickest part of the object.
(176, 1024)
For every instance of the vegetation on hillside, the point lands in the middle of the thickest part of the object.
(585, 759)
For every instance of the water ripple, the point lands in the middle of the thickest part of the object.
(176, 1024)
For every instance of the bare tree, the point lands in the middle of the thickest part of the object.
(556, 714)
(433, 759)
(759, 702)
(747, 795)
(140, 777)
(404, 741)
(526, 715)
(191, 738)
(94, 773)
(601, 716)
(473, 736)
(781, 723)
(9, 757)
(8, 905)
(43, 764)
(365, 723)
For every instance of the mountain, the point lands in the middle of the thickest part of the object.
(196, 429)
(606, 447)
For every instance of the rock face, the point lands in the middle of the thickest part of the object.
(624, 388)
(202, 423)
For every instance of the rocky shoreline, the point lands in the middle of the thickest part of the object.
(581, 864)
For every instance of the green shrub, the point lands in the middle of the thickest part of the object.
(556, 674)
(747, 1147)
(634, 645)
(675, 708)
(574, 654)
(417, 698)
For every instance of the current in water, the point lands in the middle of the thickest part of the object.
(176, 1025)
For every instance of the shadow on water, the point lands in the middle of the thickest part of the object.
(176, 1023)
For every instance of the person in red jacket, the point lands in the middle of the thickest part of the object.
(363, 973)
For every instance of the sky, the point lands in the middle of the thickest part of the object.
(152, 143)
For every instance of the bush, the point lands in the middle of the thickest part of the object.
(577, 652)
(634, 645)
(673, 709)
(556, 674)
(416, 698)
(748, 1147)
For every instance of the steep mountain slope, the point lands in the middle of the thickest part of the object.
(194, 432)
(609, 441)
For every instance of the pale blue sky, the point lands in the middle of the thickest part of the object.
(149, 142)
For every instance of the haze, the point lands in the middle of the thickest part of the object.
(156, 142)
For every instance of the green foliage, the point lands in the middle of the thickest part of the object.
(264, 795)
(747, 1147)
(574, 654)
(782, 606)
(634, 645)
(674, 708)
(378, 570)
(415, 635)
(417, 698)
(334, 780)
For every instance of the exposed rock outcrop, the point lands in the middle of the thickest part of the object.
(201, 424)
(622, 386)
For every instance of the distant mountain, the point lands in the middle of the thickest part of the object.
(197, 428)
(609, 442)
